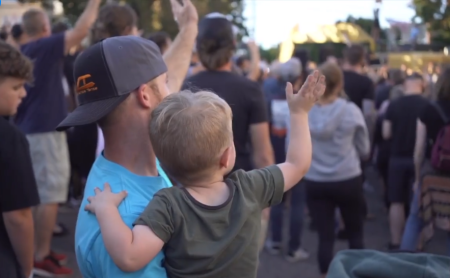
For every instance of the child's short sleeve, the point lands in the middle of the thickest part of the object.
(158, 217)
(266, 184)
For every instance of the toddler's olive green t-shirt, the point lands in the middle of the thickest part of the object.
(214, 241)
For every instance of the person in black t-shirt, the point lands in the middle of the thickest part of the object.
(215, 48)
(382, 93)
(18, 190)
(428, 127)
(359, 88)
(399, 126)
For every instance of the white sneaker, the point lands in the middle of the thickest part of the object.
(274, 248)
(296, 256)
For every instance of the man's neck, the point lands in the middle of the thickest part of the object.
(355, 68)
(412, 92)
(132, 150)
(28, 39)
(226, 67)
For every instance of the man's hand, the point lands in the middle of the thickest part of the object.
(186, 14)
(252, 46)
(105, 198)
(307, 96)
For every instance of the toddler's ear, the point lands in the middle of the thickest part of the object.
(226, 157)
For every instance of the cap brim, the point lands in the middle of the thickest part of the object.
(91, 112)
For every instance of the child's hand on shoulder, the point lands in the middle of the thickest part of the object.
(308, 95)
(104, 199)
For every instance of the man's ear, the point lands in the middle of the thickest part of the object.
(143, 96)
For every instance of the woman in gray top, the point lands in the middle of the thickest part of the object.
(340, 140)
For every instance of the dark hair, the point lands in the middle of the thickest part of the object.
(213, 56)
(355, 54)
(160, 39)
(241, 59)
(113, 20)
(396, 76)
(303, 56)
(16, 31)
(32, 21)
(443, 85)
(60, 27)
(14, 64)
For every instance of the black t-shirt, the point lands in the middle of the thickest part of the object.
(382, 94)
(247, 103)
(433, 122)
(18, 189)
(403, 113)
(358, 87)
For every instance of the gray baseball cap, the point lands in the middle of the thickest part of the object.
(107, 72)
(290, 71)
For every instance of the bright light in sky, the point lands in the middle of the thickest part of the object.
(274, 19)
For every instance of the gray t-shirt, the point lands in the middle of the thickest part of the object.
(214, 241)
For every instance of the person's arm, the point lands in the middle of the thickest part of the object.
(73, 37)
(368, 103)
(255, 70)
(299, 152)
(263, 155)
(361, 139)
(130, 249)
(419, 148)
(386, 128)
(178, 56)
(18, 194)
(20, 228)
(259, 128)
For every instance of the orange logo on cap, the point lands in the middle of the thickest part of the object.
(83, 87)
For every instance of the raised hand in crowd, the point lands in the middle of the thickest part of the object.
(184, 14)
(299, 153)
(255, 70)
(84, 23)
(178, 56)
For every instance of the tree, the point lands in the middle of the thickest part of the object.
(269, 54)
(435, 14)
(367, 24)
(156, 15)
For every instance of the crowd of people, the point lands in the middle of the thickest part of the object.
(179, 184)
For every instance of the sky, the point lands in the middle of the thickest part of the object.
(274, 19)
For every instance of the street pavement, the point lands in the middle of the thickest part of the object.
(376, 237)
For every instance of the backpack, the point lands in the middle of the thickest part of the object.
(440, 154)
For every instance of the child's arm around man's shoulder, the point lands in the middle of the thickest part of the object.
(131, 249)
(269, 184)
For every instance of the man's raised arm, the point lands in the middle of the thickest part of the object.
(178, 56)
(74, 36)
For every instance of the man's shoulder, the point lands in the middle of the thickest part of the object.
(41, 45)
(229, 78)
(357, 77)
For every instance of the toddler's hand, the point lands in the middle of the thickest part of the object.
(104, 198)
(307, 96)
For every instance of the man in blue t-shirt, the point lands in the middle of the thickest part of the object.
(39, 114)
(120, 81)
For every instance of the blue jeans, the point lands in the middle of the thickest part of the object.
(414, 226)
(296, 217)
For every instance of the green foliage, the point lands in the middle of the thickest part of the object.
(436, 15)
(269, 54)
(366, 24)
(155, 15)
